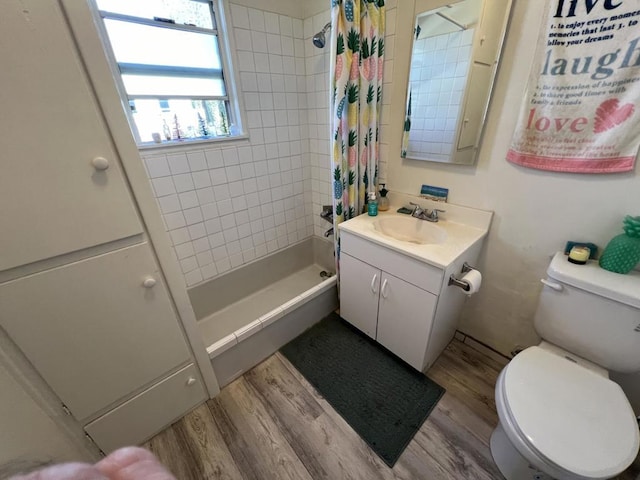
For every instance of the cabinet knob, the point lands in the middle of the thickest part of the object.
(191, 381)
(149, 282)
(100, 163)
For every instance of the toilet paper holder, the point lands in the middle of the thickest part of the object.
(461, 283)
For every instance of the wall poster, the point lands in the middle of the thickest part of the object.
(581, 109)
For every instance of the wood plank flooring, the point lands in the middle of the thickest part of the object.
(272, 424)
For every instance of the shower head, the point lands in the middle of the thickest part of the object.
(319, 39)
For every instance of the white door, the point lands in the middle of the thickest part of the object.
(93, 330)
(405, 315)
(53, 200)
(359, 289)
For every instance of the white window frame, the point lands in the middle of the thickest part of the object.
(222, 31)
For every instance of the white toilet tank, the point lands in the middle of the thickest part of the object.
(592, 313)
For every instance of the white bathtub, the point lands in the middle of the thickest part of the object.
(249, 313)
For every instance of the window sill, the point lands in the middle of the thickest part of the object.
(198, 142)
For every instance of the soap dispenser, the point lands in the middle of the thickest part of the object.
(383, 202)
(372, 205)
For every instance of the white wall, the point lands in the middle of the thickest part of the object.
(535, 212)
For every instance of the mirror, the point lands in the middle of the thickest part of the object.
(454, 59)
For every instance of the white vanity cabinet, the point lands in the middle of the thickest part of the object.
(395, 313)
(389, 296)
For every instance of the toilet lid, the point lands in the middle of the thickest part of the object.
(574, 417)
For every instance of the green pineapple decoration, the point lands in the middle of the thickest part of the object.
(622, 253)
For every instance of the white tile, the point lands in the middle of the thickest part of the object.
(271, 22)
(183, 182)
(261, 63)
(188, 199)
(214, 158)
(209, 211)
(197, 231)
(174, 220)
(243, 39)
(163, 186)
(248, 82)
(219, 253)
(225, 207)
(188, 264)
(298, 30)
(197, 161)
(201, 245)
(242, 217)
(252, 100)
(223, 265)
(259, 42)
(179, 235)
(245, 61)
(273, 44)
(193, 277)
(169, 204)
(230, 156)
(275, 64)
(193, 215)
(236, 260)
(201, 179)
(233, 173)
(184, 250)
(240, 16)
(205, 195)
(213, 226)
(216, 240)
(204, 258)
(233, 246)
(236, 189)
(218, 176)
(286, 26)
(256, 20)
(178, 163)
(208, 271)
(157, 166)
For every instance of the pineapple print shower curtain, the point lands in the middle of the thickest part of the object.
(358, 28)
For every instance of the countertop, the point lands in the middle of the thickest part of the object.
(460, 236)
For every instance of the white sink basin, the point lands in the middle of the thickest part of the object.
(411, 230)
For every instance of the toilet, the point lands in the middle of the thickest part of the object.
(560, 417)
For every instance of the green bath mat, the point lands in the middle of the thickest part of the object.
(383, 399)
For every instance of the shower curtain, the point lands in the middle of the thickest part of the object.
(357, 56)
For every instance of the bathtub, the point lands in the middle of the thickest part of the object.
(249, 313)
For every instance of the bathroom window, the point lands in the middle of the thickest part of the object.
(174, 69)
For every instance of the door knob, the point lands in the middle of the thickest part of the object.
(149, 282)
(100, 163)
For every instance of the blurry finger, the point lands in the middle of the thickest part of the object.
(133, 463)
(65, 471)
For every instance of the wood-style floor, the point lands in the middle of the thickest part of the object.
(272, 424)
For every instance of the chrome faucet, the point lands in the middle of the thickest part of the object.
(424, 214)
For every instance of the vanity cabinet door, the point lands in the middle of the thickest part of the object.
(359, 289)
(96, 330)
(405, 316)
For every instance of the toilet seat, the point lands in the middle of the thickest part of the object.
(566, 416)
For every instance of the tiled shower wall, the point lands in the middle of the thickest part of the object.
(226, 205)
